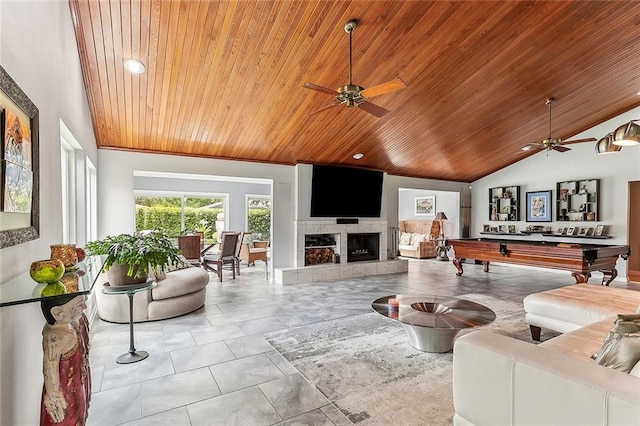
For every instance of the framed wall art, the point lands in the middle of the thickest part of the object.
(20, 179)
(539, 206)
(426, 205)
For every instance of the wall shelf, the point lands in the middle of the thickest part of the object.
(595, 237)
(504, 203)
(577, 200)
(520, 234)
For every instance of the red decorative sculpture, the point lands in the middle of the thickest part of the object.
(67, 378)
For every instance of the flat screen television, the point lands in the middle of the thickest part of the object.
(345, 192)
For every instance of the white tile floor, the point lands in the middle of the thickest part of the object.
(213, 367)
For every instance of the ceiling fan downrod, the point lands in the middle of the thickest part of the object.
(549, 102)
(350, 27)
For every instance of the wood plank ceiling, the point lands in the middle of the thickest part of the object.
(224, 78)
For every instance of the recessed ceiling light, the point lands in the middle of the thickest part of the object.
(358, 156)
(134, 65)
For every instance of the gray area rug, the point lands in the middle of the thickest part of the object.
(365, 365)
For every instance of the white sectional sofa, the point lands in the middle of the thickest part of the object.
(181, 292)
(498, 380)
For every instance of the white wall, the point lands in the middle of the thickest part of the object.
(446, 202)
(116, 198)
(38, 50)
(542, 171)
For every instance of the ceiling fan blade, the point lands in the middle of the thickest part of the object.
(579, 141)
(323, 108)
(373, 109)
(381, 89)
(561, 148)
(320, 88)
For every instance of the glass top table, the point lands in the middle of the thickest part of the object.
(80, 280)
(432, 322)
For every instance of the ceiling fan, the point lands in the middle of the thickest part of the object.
(353, 95)
(551, 143)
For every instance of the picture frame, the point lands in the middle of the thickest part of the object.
(485, 228)
(582, 232)
(12, 96)
(512, 229)
(570, 230)
(560, 231)
(588, 231)
(425, 205)
(504, 229)
(539, 206)
(493, 229)
(599, 231)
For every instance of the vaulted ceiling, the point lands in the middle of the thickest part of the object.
(224, 78)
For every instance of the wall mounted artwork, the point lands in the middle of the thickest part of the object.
(426, 206)
(539, 206)
(19, 165)
(17, 175)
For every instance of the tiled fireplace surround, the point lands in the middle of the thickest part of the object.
(332, 271)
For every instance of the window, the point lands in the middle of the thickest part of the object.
(177, 214)
(70, 154)
(92, 202)
(259, 216)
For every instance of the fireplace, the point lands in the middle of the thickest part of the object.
(363, 246)
(320, 248)
(320, 234)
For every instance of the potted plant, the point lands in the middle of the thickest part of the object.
(202, 228)
(129, 257)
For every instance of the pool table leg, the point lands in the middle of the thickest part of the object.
(457, 262)
(610, 274)
(485, 266)
(580, 278)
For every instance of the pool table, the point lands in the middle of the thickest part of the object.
(579, 259)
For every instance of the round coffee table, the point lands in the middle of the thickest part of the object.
(432, 322)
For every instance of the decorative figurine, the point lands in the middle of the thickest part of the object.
(67, 379)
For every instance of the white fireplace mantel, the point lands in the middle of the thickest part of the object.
(328, 272)
(331, 227)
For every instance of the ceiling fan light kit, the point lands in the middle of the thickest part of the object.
(351, 95)
(606, 145)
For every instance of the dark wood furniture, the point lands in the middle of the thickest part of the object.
(580, 259)
(225, 256)
(190, 247)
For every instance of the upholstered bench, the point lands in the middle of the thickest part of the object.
(568, 308)
(181, 292)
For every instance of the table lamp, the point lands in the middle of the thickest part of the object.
(441, 249)
(441, 217)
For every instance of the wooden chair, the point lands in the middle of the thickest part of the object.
(238, 248)
(253, 250)
(190, 247)
(225, 256)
